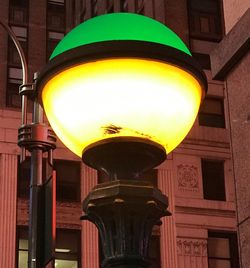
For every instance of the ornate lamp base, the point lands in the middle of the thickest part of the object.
(125, 211)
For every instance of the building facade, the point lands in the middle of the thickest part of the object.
(198, 177)
(230, 62)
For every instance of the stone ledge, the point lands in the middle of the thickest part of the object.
(205, 207)
(232, 48)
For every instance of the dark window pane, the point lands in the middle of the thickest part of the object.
(23, 178)
(14, 59)
(68, 244)
(22, 246)
(209, 6)
(213, 180)
(18, 12)
(205, 19)
(55, 17)
(211, 113)
(218, 247)
(12, 95)
(68, 180)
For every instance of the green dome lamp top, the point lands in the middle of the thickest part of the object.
(119, 26)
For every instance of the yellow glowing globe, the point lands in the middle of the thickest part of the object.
(121, 78)
(121, 97)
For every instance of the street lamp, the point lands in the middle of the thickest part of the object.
(121, 90)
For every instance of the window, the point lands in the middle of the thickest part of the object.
(205, 19)
(12, 94)
(211, 113)
(213, 180)
(14, 59)
(12, 90)
(56, 16)
(68, 248)
(18, 12)
(67, 179)
(23, 178)
(222, 250)
(14, 77)
(22, 246)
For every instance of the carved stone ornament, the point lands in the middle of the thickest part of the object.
(192, 247)
(187, 178)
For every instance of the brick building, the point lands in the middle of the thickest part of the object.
(198, 176)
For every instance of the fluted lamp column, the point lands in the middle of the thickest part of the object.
(121, 91)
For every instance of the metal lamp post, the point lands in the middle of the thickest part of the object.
(121, 91)
(38, 139)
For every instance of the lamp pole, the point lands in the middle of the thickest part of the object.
(37, 138)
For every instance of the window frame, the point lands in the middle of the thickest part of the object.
(71, 256)
(232, 237)
(26, 13)
(21, 30)
(59, 183)
(195, 14)
(78, 197)
(207, 194)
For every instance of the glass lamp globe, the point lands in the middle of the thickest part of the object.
(121, 89)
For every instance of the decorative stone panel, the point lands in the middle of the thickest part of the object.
(192, 253)
(188, 178)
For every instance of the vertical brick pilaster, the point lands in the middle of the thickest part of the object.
(8, 193)
(168, 228)
(90, 251)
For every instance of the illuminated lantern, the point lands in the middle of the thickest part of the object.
(121, 90)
